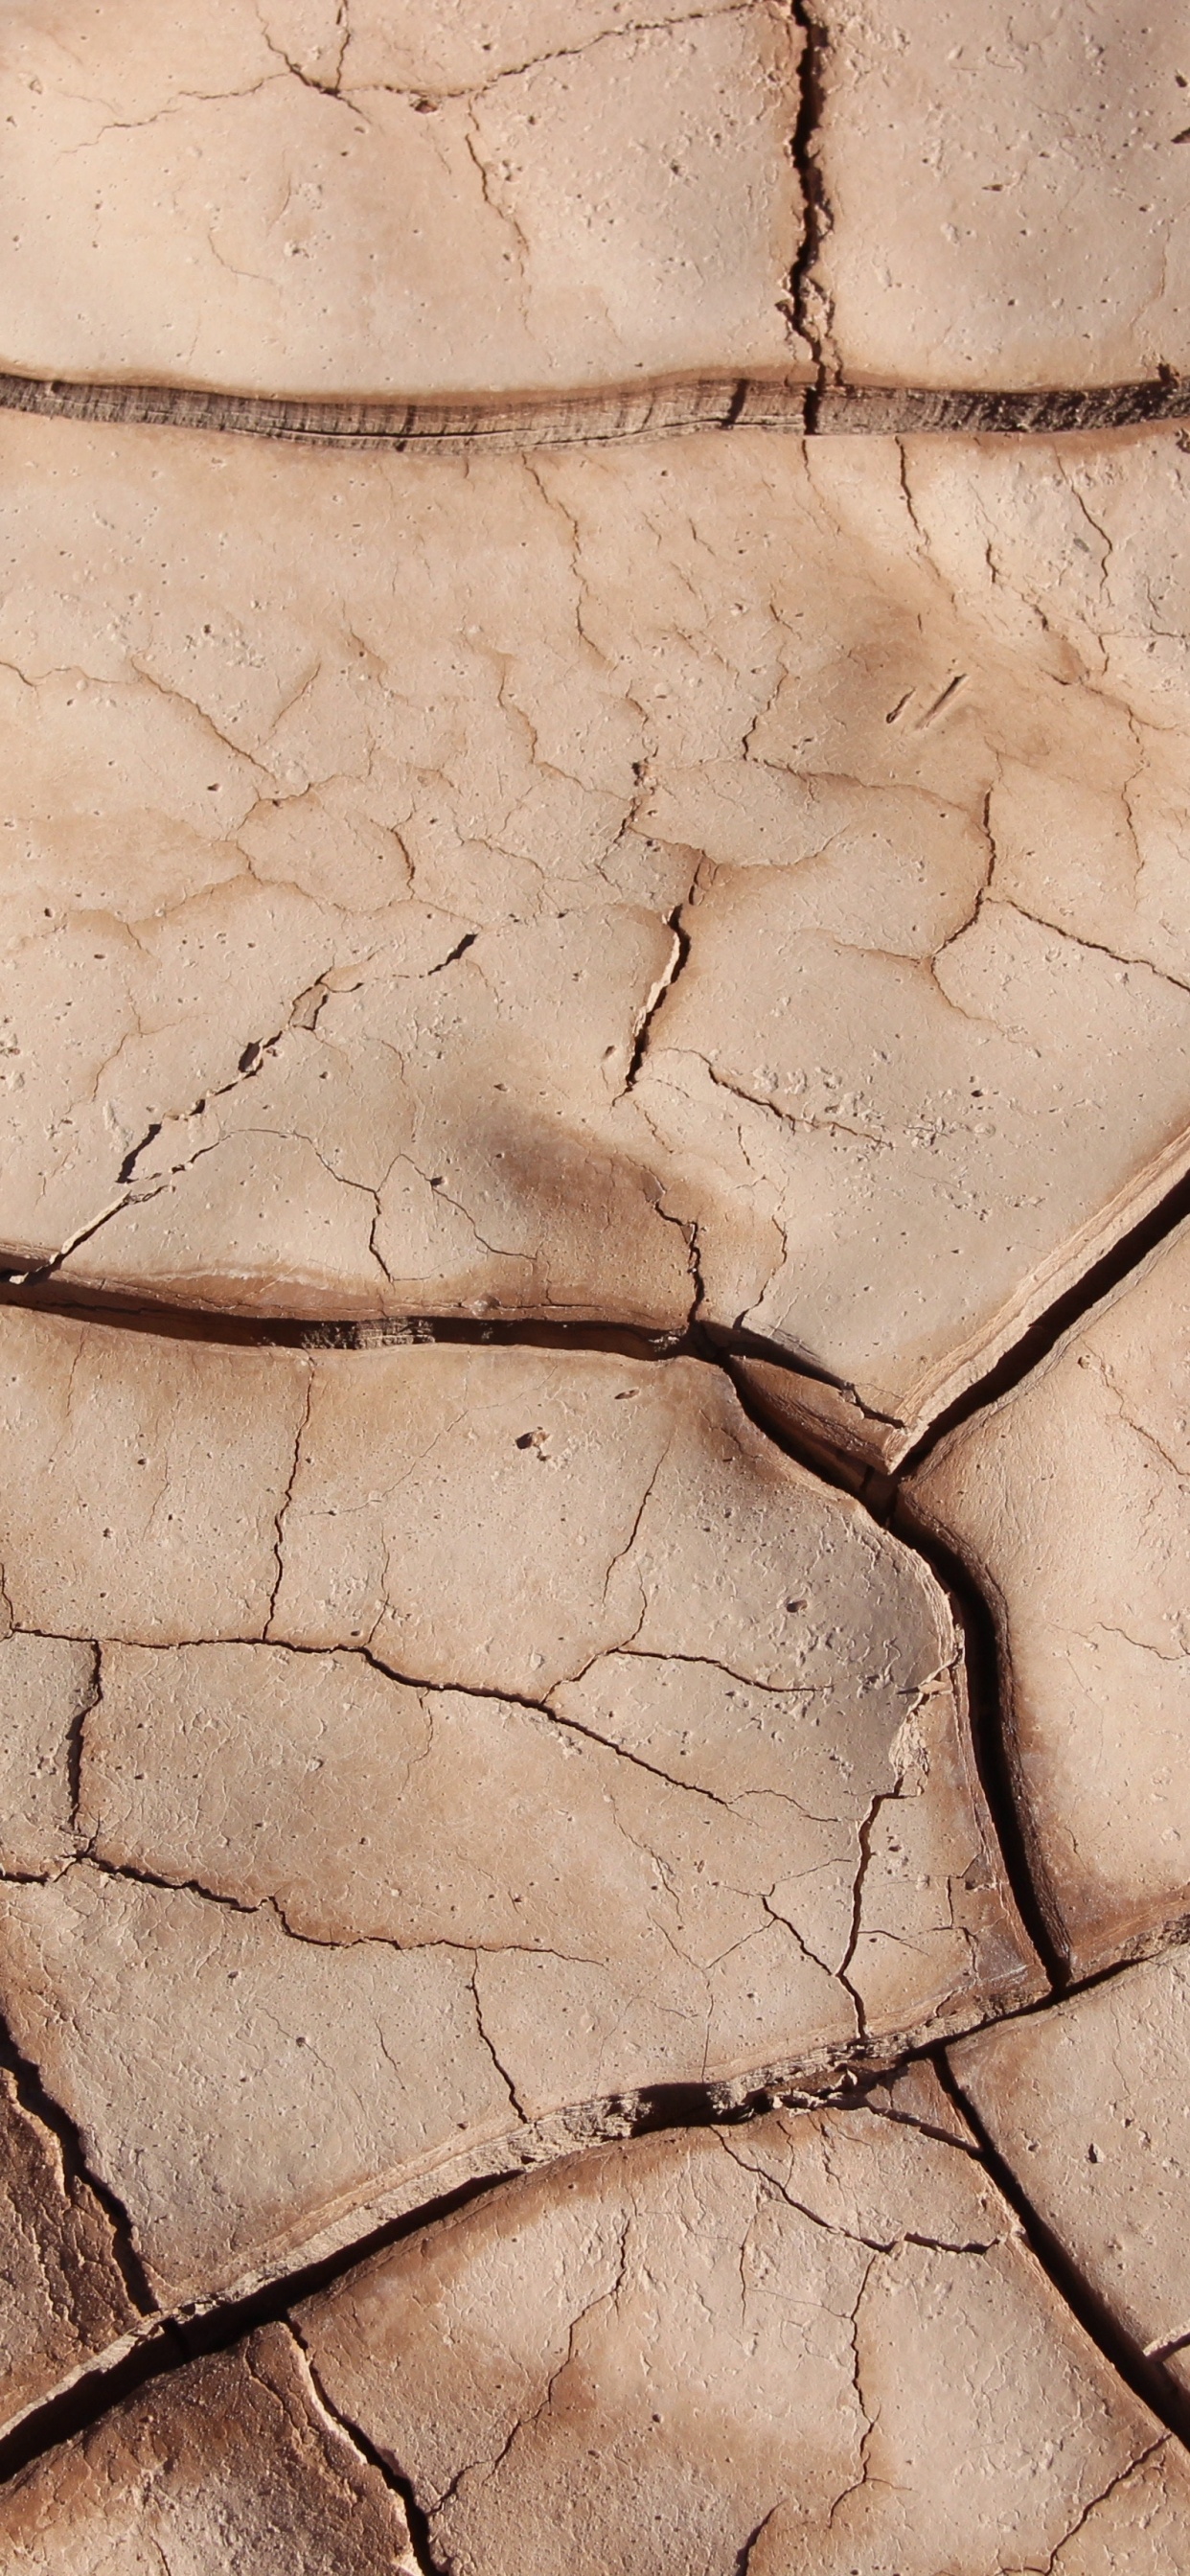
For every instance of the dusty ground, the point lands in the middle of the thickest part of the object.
(595, 1303)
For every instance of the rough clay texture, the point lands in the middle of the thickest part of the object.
(1007, 195)
(806, 2346)
(356, 198)
(63, 2295)
(729, 878)
(231, 2465)
(679, 1733)
(1089, 2103)
(353, 198)
(571, 1003)
(1068, 1500)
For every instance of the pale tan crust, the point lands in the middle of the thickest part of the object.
(473, 1736)
(731, 878)
(1068, 1500)
(815, 2339)
(1008, 195)
(398, 197)
(590, 968)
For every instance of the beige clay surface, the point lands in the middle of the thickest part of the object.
(588, 1557)
(1068, 1499)
(1089, 2104)
(807, 2346)
(1007, 194)
(475, 1736)
(729, 878)
(230, 2465)
(398, 197)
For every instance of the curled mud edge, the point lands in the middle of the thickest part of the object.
(658, 408)
(168, 2337)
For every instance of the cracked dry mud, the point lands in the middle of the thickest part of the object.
(687, 1754)
(595, 1301)
(697, 882)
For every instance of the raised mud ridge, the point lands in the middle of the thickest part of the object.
(664, 408)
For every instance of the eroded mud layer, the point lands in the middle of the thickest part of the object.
(474, 1735)
(1068, 1499)
(730, 880)
(65, 2294)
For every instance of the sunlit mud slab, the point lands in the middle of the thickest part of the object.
(472, 1745)
(814, 2339)
(404, 200)
(1088, 2105)
(807, 2347)
(731, 880)
(1007, 202)
(1068, 1502)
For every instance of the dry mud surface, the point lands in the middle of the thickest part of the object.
(594, 1290)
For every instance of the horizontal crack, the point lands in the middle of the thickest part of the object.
(197, 2326)
(663, 406)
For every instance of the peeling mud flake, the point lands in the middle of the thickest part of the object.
(230, 2464)
(1069, 1499)
(806, 2346)
(398, 200)
(586, 1746)
(64, 2298)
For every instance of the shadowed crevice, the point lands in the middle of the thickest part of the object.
(991, 1739)
(881, 1496)
(808, 308)
(1145, 2378)
(41, 2106)
(1060, 1317)
(402, 2487)
(663, 407)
